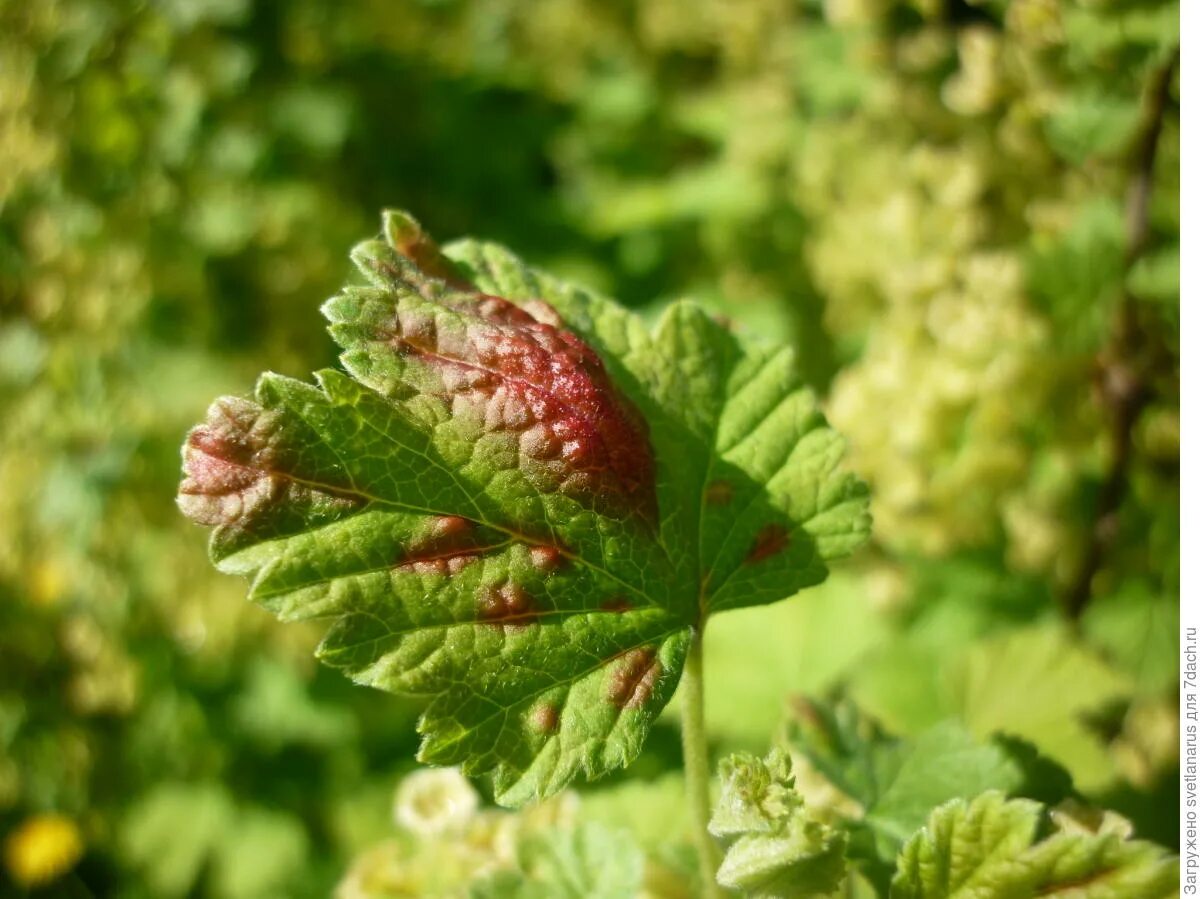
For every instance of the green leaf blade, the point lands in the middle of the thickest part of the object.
(505, 505)
(988, 848)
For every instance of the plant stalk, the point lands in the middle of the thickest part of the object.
(1124, 377)
(695, 763)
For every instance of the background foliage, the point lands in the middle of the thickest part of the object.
(931, 198)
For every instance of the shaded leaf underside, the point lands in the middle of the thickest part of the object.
(518, 501)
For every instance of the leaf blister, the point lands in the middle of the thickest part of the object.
(477, 504)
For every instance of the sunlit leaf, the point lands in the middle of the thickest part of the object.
(989, 848)
(519, 502)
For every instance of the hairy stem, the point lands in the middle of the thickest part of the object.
(695, 762)
(1122, 376)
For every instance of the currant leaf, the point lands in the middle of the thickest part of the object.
(990, 848)
(519, 501)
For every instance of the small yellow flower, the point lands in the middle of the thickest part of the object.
(42, 848)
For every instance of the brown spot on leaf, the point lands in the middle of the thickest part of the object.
(509, 605)
(770, 540)
(546, 558)
(718, 493)
(447, 566)
(539, 442)
(448, 547)
(450, 526)
(616, 604)
(633, 676)
(545, 718)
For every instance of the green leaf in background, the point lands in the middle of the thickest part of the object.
(989, 848)
(180, 834)
(1155, 276)
(940, 763)
(1039, 684)
(586, 862)
(274, 710)
(844, 747)
(648, 809)
(260, 855)
(1091, 123)
(1075, 276)
(887, 787)
(1139, 632)
(171, 833)
(776, 849)
(792, 654)
(520, 502)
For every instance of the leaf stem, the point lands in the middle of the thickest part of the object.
(695, 762)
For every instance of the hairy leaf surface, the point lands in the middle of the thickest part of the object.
(989, 848)
(775, 847)
(519, 501)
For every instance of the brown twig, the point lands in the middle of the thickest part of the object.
(1122, 373)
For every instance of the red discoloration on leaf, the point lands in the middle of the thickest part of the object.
(507, 605)
(546, 559)
(518, 371)
(718, 493)
(450, 546)
(770, 540)
(633, 676)
(616, 604)
(224, 480)
(447, 566)
(545, 718)
(409, 239)
(452, 525)
(517, 314)
(233, 475)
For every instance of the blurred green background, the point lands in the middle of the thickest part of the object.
(930, 198)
